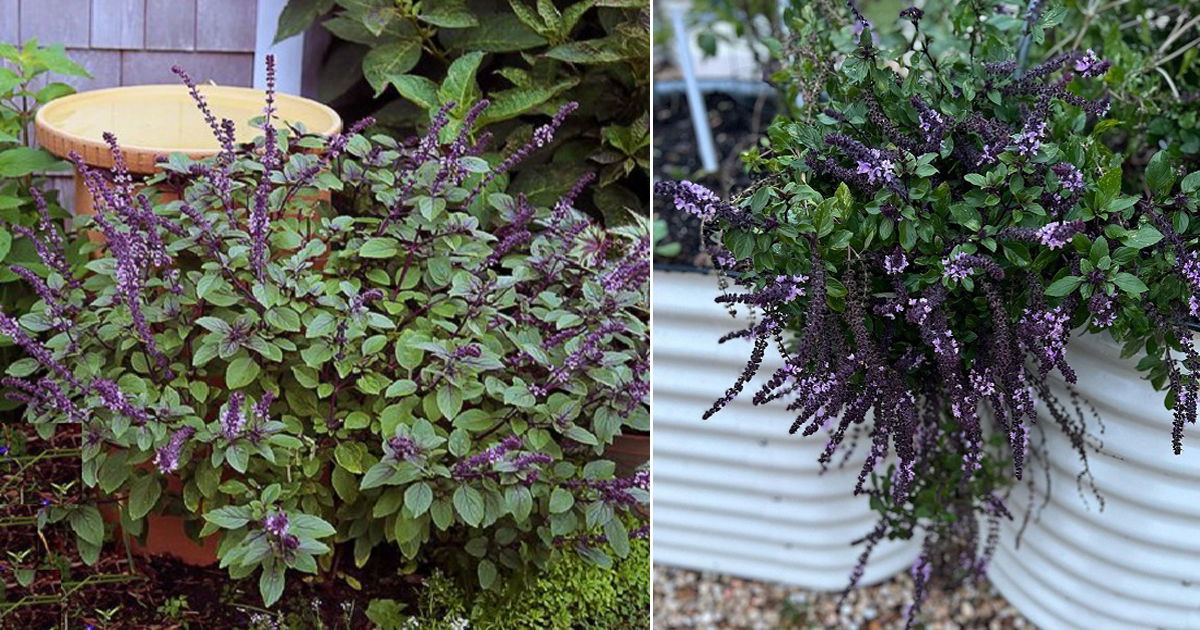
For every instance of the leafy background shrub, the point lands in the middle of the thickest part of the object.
(22, 91)
(527, 57)
(430, 363)
(925, 241)
(570, 593)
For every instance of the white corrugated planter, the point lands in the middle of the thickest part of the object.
(1136, 564)
(736, 493)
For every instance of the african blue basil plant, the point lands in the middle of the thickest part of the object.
(430, 363)
(922, 253)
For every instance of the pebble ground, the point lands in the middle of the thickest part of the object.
(709, 601)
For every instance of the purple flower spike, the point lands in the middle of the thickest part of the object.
(167, 456)
(233, 418)
(277, 524)
(1057, 234)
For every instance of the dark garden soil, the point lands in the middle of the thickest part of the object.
(155, 592)
(162, 593)
(737, 122)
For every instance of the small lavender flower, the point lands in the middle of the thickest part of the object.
(957, 267)
(895, 262)
(696, 200)
(988, 155)
(1089, 65)
(1057, 234)
(878, 169)
(277, 524)
(166, 458)
(1069, 177)
(1029, 141)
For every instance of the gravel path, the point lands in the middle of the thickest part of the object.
(708, 601)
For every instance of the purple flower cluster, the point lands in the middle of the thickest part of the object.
(1057, 234)
(1069, 177)
(34, 348)
(405, 449)
(630, 272)
(1029, 141)
(696, 200)
(879, 169)
(44, 396)
(279, 527)
(233, 417)
(895, 263)
(1045, 333)
(473, 467)
(166, 458)
(615, 492)
(1103, 307)
(782, 290)
(957, 267)
(1089, 65)
(116, 401)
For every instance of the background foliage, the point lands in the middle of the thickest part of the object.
(23, 89)
(391, 58)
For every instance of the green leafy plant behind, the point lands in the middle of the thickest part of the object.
(23, 89)
(569, 593)
(527, 58)
(429, 364)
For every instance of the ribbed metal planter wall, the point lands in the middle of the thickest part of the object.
(736, 494)
(1136, 564)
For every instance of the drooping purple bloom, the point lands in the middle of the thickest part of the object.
(696, 200)
(116, 401)
(34, 348)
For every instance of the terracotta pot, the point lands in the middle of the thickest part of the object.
(166, 534)
(629, 451)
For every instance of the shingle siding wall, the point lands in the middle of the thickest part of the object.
(130, 42)
(133, 42)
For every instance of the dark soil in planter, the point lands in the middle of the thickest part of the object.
(203, 597)
(737, 122)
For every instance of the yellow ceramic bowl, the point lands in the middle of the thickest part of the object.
(155, 120)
